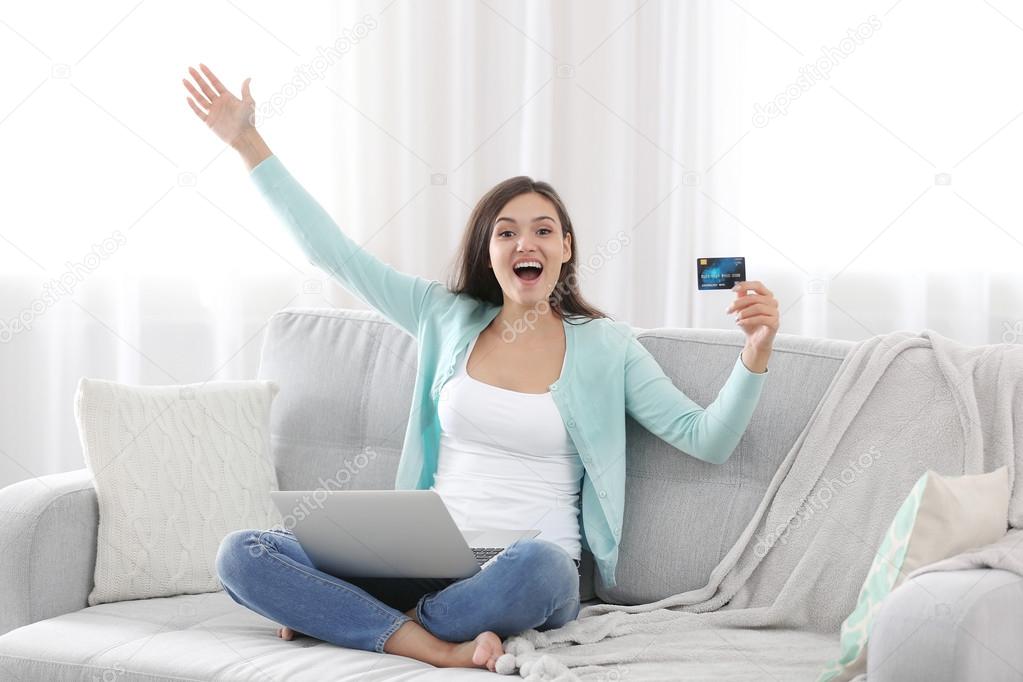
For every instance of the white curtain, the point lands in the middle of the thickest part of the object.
(862, 161)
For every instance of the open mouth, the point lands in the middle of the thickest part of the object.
(528, 273)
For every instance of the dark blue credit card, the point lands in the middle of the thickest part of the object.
(720, 273)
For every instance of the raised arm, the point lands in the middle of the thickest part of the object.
(401, 298)
(709, 434)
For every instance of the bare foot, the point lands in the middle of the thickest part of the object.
(481, 652)
(285, 633)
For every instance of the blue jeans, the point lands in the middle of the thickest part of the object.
(532, 584)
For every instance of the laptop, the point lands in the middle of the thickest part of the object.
(388, 534)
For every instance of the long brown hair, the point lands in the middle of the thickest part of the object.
(476, 279)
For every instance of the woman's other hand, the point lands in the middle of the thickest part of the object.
(226, 115)
(756, 313)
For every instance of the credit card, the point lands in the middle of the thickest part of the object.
(720, 273)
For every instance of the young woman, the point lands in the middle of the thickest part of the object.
(518, 418)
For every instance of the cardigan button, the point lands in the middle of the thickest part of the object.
(554, 387)
(603, 493)
(571, 423)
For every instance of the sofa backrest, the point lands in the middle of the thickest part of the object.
(346, 379)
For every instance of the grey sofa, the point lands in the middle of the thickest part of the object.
(346, 382)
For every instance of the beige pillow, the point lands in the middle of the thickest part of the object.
(942, 516)
(175, 469)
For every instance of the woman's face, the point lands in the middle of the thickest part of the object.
(527, 228)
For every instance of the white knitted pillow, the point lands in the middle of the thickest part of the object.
(175, 469)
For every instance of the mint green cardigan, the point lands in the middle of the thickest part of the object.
(607, 372)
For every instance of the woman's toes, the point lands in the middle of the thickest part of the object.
(488, 648)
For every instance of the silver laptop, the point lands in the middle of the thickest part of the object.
(388, 534)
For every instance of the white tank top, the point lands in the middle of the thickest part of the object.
(506, 460)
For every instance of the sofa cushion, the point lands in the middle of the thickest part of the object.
(191, 637)
(682, 515)
(176, 468)
(346, 381)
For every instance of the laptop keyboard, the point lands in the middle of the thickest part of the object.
(485, 554)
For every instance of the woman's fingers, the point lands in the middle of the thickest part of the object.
(752, 285)
(753, 310)
(197, 95)
(744, 301)
(206, 89)
(757, 320)
(217, 85)
(200, 114)
(754, 299)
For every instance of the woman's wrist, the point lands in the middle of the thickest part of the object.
(252, 147)
(755, 360)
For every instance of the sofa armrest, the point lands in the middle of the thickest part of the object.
(48, 532)
(950, 625)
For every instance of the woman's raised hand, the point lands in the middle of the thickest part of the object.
(225, 114)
